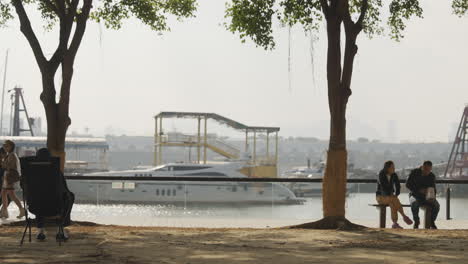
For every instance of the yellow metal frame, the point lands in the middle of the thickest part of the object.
(159, 142)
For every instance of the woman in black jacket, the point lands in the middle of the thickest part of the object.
(388, 189)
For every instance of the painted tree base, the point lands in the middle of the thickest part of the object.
(330, 222)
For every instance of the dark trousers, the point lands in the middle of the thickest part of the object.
(69, 200)
(415, 209)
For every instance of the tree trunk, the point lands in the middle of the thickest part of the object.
(57, 116)
(339, 81)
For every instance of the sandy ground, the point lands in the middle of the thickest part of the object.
(120, 244)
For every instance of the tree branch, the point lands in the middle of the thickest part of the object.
(73, 5)
(66, 25)
(364, 7)
(50, 5)
(67, 64)
(28, 32)
(81, 20)
(61, 6)
(344, 12)
(325, 7)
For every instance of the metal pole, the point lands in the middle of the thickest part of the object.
(198, 141)
(268, 145)
(255, 147)
(26, 112)
(246, 140)
(463, 140)
(16, 123)
(12, 105)
(155, 161)
(204, 140)
(447, 202)
(454, 151)
(3, 93)
(276, 148)
(160, 141)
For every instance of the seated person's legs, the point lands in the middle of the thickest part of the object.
(415, 210)
(40, 227)
(396, 206)
(435, 206)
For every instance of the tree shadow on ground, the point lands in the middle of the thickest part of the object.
(113, 244)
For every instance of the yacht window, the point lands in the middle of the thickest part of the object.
(168, 192)
(157, 192)
(210, 173)
(129, 185)
(161, 168)
(179, 187)
(117, 185)
(163, 192)
(184, 168)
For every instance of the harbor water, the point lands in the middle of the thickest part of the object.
(244, 215)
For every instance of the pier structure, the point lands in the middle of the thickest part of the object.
(261, 165)
(457, 166)
(97, 147)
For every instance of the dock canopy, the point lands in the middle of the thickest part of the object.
(218, 118)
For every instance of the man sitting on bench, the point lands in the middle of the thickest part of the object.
(421, 184)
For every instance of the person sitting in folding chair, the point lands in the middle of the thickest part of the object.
(45, 193)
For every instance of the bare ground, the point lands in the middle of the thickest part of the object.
(120, 244)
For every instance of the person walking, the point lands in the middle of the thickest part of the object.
(11, 176)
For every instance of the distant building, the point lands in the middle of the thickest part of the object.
(392, 136)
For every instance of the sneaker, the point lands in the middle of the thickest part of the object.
(396, 226)
(63, 237)
(21, 214)
(407, 220)
(433, 226)
(4, 214)
(40, 237)
(416, 224)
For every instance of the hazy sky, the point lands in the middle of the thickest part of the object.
(122, 78)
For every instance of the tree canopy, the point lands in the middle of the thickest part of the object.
(253, 19)
(153, 13)
(460, 7)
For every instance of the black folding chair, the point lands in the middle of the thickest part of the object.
(43, 192)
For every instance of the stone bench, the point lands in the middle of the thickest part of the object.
(383, 214)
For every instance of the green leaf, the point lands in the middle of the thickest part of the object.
(252, 19)
(153, 13)
(400, 12)
(460, 7)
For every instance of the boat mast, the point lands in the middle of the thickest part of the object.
(3, 93)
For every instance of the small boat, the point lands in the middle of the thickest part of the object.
(309, 189)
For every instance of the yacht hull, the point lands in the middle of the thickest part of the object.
(163, 192)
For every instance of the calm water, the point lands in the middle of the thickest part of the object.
(243, 216)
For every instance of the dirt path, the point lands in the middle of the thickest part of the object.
(118, 244)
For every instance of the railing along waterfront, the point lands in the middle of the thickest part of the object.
(238, 179)
(446, 182)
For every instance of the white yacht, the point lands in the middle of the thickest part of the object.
(111, 191)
